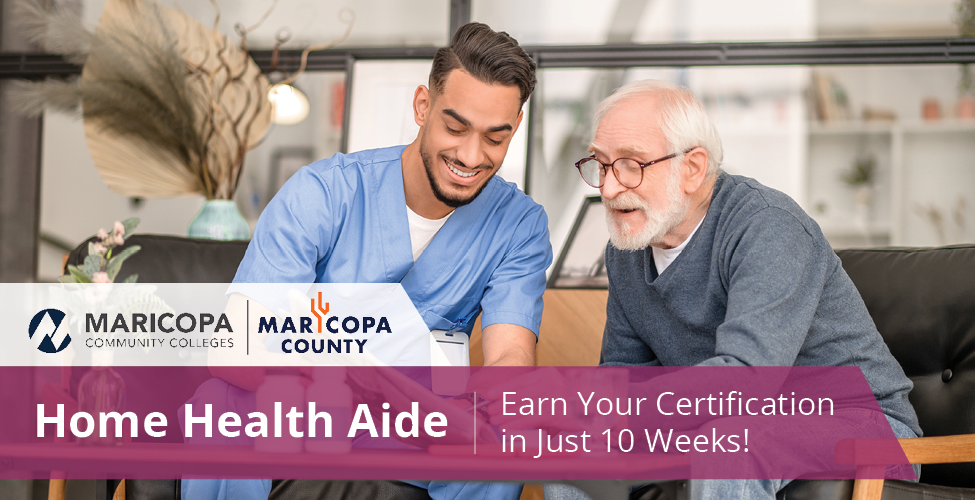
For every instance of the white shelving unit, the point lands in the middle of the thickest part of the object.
(923, 192)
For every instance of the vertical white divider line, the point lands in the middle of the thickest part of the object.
(475, 422)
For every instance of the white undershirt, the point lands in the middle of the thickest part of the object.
(664, 257)
(422, 231)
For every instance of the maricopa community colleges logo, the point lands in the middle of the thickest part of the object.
(45, 325)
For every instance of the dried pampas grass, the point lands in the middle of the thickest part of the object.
(170, 107)
(32, 98)
(55, 29)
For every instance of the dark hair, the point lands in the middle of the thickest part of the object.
(488, 55)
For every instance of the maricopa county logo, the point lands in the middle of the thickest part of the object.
(349, 324)
(324, 311)
(45, 324)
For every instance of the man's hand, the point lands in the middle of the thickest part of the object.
(504, 345)
(508, 345)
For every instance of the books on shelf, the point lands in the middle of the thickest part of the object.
(828, 98)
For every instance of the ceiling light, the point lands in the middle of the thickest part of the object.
(288, 104)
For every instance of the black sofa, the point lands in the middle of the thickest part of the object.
(173, 259)
(922, 300)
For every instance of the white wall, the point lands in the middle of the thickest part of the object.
(377, 22)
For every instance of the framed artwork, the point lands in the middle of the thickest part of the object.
(581, 264)
(285, 161)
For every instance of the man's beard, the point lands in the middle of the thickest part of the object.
(658, 222)
(438, 190)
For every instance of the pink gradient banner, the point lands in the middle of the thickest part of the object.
(443, 423)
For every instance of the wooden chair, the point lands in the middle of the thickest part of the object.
(925, 450)
(56, 488)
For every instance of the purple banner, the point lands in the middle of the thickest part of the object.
(444, 423)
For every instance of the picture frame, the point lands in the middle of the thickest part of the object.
(581, 263)
(285, 161)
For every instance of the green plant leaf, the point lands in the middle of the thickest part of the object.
(132, 278)
(130, 225)
(124, 254)
(67, 278)
(91, 248)
(115, 263)
(93, 264)
(78, 274)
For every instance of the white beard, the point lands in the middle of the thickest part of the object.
(658, 222)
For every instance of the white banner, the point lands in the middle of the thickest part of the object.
(178, 324)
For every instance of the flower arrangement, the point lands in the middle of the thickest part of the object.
(100, 268)
(100, 265)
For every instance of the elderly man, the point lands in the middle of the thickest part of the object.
(429, 215)
(711, 269)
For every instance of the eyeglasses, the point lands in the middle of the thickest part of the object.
(628, 171)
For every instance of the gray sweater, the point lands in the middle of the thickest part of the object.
(757, 285)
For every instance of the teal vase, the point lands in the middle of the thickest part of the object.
(220, 220)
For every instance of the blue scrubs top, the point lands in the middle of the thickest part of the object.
(343, 220)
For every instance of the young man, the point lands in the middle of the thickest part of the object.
(429, 215)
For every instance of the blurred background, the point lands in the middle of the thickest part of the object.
(879, 153)
(861, 110)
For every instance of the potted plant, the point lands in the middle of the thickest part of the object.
(860, 178)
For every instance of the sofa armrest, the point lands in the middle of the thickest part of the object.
(924, 450)
(940, 449)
